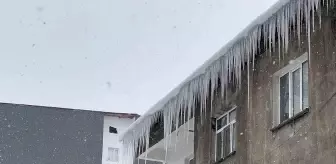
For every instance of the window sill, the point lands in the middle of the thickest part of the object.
(223, 159)
(295, 117)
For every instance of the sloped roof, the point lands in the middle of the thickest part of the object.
(113, 114)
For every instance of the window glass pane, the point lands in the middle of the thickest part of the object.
(110, 153)
(113, 154)
(305, 85)
(284, 97)
(234, 137)
(296, 91)
(226, 141)
(221, 122)
(219, 145)
(233, 115)
(116, 155)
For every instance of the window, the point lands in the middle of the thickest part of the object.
(290, 90)
(113, 154)
(113, 130)
(226, 134)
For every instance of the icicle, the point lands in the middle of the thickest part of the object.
(214, 79)
(201, 100)
(222, 76)
(279, 42)
(253, 43)
(147, 146)
(328, 5)
(185, 111)
(139, 147)
(313, 7)
(298, 20)
(287, 28)
(177, 119)
(240, 65)
(265, 32)
(320, 16)
(273, 34)
(166, 128)
(290, 19)
(248, 83)
(189, 111)
(206, 81)
(308, 28)
(270, 37)
(282, 32)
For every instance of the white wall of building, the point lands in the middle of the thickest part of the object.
(111, 140)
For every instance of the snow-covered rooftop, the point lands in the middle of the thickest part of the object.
(275, 21)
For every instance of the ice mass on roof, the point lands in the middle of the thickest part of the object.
(273, 26)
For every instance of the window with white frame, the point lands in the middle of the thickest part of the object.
(113, 154)
(290, 89)
(226, 134)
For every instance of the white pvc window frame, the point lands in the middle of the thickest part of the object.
(293, 66)
(113, 154)
(228, 123)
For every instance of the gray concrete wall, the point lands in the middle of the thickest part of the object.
(43, 135)
(264, 146)
(203, 134)
(204, 145)
(310, 139)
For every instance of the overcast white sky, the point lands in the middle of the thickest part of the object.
(110, 55)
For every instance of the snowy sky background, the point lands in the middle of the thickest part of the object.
(110, 55)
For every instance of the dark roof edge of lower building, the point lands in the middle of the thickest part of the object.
(112, 114)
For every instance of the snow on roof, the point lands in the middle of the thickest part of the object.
(201, 70)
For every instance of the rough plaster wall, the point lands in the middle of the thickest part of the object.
(205, 135)
(41, 135)
(240, 100)
(202, 143)
(263, 145)
(323, 81)
(310, 139)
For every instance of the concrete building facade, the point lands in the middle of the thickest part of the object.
(48, 135)
(114, 125)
